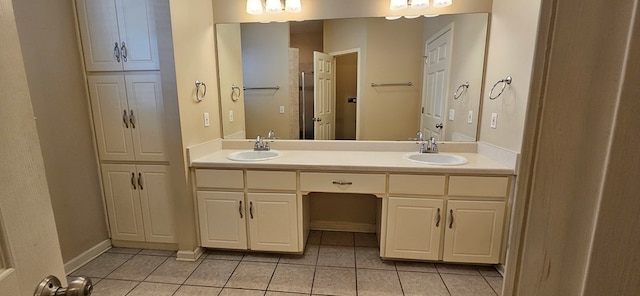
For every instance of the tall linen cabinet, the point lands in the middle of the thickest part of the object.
(121, 57)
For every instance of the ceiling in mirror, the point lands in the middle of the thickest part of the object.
(377, 79)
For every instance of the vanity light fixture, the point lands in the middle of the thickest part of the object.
(442, 3)
(415, 4)
(256, 7)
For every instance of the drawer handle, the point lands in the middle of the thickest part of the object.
(251, 209)
(240, 210)
(438, 222)
(342, 183)
(451, 223)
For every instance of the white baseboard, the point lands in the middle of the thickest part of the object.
(342, 226)
(87, 256)
(190, 255)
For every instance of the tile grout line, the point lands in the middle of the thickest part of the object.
(234, 270)
(355, 261)
(272, 274)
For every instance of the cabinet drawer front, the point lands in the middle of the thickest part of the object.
(219, 179)
(478, 186)
(337, 182)
(271, 180)
(416, 184)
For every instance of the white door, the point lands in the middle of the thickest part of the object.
(122, 197)
(111, 117)
(436, 83)
(323, 97)
(154, 186)
(473, 231)
(98, 24)
(136, 21)
(273, 222)
(222, 219)
(414, 227)
(146, 113)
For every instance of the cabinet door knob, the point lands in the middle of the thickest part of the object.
(133, 181)
(125, 119)
(116, 52)
(451, 222)
(438, 218)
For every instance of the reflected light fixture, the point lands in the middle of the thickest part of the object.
(256, 7)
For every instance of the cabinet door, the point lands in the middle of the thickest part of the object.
(146, 114)
(123, 202)
(111, 117)
(222, 219)
(414, 228)
(273, 222)
(98, 24)
(473, 231)
(136, 23)
(154, 187)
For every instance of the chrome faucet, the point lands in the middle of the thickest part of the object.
(428, 146)
(271, 135)
(260, 145)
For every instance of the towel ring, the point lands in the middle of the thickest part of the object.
(235, 95)
(204, 90)
(504, 85)
(460, 89)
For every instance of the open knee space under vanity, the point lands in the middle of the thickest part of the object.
(430, 216)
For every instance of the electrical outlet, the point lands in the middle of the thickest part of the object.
(230, 115)
(494, 120)
(470, 117)
(452, 113)
(281, 109)
(206, 119)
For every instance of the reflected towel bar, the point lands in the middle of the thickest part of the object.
(391, 84)
(262, 88)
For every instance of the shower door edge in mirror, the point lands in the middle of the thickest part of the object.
(378, 85)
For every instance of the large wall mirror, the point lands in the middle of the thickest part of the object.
(353, 79)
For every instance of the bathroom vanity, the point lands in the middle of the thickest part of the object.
(425, 212)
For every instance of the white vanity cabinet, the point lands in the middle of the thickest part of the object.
(118, 35)
(128, 116)
(139, 203)
(256, 210)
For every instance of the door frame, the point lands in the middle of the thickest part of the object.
(357, 51)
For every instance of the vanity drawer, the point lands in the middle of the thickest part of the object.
(416, 184)
(274, 180)
(341, 182)
(206, 178)
(478, 186)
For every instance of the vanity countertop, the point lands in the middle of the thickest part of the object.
(367, 161)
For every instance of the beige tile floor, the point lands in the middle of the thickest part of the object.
(334, 263)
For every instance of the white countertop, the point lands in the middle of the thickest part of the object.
(378, 161)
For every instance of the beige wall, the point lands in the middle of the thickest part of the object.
(511, 48)
(265, 60)
(25, 203)
(61, 106)
(467, 65)
(230, 65)
(234, 11)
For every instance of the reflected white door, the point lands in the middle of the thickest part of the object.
(436, 83)
(323, 97)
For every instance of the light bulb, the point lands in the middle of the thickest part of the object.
(273, 6)
(392, 18)
(411, 16)
(442, 3)
(397, 4)
(254, 7)
(419, 4)
(293, 6)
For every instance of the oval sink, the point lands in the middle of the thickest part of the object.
(251, 155)
(436, 158)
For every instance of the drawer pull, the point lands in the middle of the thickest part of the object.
(240, 210)
(342, 183)
(451, 223)
(438, 222)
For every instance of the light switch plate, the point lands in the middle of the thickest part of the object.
(230, 115)
(494, 120)
(206, 119)
(452, 113)
(470, 117)
(281, 109)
